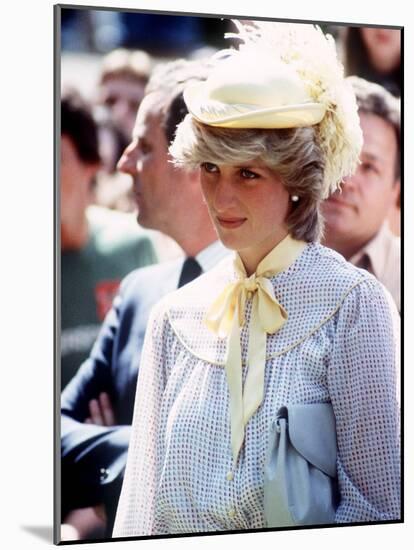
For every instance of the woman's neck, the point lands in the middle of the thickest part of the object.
(251, 257)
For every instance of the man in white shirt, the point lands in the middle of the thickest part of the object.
(356, 217)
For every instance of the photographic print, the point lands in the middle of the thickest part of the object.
(228, 263)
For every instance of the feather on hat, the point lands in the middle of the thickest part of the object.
(283, 75)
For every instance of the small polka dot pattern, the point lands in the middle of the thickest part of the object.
(339, 345)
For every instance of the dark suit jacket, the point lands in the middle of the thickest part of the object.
(94, 457)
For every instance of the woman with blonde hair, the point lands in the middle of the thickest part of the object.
(267, 389)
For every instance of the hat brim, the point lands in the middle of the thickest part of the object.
(290, 116)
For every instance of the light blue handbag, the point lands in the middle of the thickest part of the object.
(300, 471)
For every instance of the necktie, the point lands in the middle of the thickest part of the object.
(226, 316)
(191, 270)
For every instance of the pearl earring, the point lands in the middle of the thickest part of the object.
(294, 198)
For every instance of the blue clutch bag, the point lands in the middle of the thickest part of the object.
(300, 485)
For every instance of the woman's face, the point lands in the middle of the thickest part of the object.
(384, 47)
(248, 205)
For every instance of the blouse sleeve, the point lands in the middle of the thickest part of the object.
(362, 380)
(136, 503)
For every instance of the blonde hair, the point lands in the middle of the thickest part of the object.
(294, 154)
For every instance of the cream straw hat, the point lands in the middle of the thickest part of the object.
(283, 75)
(240, 94)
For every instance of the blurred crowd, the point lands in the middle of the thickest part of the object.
(105, 187)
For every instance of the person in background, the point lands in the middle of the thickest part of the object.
(96, 250)
(373, 53)
(113, 189)
(124, 75)
(111, 143)
(356, 223)
(97, 405)
(122, 82)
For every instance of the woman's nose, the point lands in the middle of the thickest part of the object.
(224, 196)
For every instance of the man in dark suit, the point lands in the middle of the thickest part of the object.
(97, 405)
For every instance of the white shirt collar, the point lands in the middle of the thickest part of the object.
(211, 255)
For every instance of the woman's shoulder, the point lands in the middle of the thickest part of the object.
(320, 276)
(321, 259)
(315, 290)
(351, 282)
(347, 287)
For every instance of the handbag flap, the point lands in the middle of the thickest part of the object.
(313, 434)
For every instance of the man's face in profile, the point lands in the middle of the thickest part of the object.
(156, 181)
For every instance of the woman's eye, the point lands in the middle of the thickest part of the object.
(209, 167)
(248, 174)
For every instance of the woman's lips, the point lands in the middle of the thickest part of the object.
(231, 223)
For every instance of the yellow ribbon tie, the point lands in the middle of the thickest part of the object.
(226, 316)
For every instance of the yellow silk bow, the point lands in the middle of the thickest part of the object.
(226, 316)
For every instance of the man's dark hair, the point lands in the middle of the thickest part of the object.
(374, 99)
(79, 125)
(170, 79)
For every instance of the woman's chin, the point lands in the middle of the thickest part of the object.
(229, 241)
